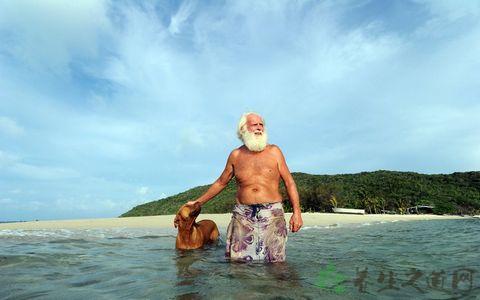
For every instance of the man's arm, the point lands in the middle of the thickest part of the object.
(296, 221)
(220, 183)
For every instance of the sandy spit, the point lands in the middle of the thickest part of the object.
(222, 220)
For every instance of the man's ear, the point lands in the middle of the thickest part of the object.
(176, 221)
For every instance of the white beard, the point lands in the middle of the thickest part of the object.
(255, 142)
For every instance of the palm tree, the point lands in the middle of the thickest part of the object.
(333, 201)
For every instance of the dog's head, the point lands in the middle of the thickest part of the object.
(186, 215)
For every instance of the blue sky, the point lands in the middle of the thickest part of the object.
(108, 104)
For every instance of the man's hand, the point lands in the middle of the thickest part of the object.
(296, 222)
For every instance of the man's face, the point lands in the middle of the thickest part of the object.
(255, 124)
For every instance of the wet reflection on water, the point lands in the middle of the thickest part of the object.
(206, 272)
(186, 273)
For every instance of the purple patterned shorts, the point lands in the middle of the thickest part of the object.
(257, 232)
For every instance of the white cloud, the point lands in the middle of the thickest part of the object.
(142, 59)
(181, 16)
(447, 17)
(351, 51)
(48, 35)
(7, 159)
(5, 201)
(14, 165)
(43, 172)
(451, 10)
(143, 190)
(191, 138)
(10, 127)
(84, 204)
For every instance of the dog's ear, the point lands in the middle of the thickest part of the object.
(185, 212)
(176, 221)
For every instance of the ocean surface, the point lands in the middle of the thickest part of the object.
(437, 259)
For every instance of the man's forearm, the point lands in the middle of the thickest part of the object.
(212, 191)
(294, 197)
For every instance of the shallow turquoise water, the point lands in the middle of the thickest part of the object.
(421, 260)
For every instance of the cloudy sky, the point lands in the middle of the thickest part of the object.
(108, 104)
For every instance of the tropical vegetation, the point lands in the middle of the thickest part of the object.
(377, 192)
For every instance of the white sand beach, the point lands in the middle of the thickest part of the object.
(222, 220)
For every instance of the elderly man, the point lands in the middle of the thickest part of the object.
(258, 229)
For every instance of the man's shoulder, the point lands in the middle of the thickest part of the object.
(274, 148)
(275, 151)
(235, 152)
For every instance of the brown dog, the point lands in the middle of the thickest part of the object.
(192, 235)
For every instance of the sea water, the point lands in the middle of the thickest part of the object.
(438, 259)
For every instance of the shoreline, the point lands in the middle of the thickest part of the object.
(222, 220)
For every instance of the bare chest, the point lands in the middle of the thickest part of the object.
(248, 166)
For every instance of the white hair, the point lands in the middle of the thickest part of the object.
(243, 121)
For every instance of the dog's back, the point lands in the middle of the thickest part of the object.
(210, 230)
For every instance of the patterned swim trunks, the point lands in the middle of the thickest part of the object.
(257, 232)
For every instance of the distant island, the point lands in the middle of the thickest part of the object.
(376, 192)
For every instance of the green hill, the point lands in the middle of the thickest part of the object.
(456, 193)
